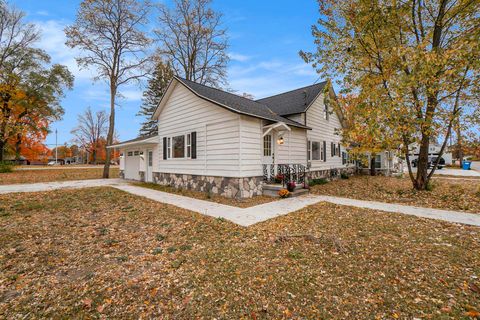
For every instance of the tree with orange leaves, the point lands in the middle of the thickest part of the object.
(30, 91)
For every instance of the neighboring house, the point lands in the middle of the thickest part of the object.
(433, 152)
(215, 141)
(386, 163)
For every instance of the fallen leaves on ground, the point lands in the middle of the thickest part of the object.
(462, 195)
(48, 175)
(103, 253)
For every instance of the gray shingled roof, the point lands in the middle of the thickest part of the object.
(237, 103)
(295, 101)
(138, 139)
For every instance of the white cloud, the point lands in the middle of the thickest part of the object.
(131, 94)
(238, 57)
(53, 42)
(42, 13)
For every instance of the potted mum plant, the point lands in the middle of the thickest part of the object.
(291, 186)
(279, 178)
(283, 193)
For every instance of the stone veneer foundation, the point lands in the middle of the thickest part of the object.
(330, 173)
(229, 187)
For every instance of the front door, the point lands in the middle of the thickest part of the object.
(149, 177)
(268, 159)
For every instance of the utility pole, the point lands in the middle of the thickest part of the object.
(56, 147)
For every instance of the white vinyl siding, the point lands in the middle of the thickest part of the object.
(293, 150)
(299, 117)
(251, 146)
(324, 130)
(218, 134)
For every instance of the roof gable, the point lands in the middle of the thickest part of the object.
(294, 101)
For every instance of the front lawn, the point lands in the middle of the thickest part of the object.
(450, 194)
(100, 252)
(57, 174)
(242, 203)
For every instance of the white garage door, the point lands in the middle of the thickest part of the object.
(132, 165)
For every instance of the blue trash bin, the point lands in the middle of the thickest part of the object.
(466, 165)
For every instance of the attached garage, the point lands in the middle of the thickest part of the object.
(137, 158)
(132, 164)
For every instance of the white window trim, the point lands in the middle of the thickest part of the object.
(187, 145)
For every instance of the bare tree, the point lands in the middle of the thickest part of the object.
(111, 37)
(90, 129)
(15, 36)
(192, 38)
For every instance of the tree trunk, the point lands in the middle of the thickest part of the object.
(111, 129)
(422, 165)
(459, 144)
(373, 171)
(2, 150)
(18, 144)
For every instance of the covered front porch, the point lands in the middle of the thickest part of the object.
(284, 154)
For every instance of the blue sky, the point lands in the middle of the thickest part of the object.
(265, 37)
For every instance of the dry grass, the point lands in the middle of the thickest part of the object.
(463, 195)
(102, 253)
(242, 203)
(48, 175)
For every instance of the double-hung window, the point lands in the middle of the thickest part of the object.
(178, 147)
(316, 150)
(378, 161)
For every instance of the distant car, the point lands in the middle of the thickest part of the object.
(53, 163)
(431, 162)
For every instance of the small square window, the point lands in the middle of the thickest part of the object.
(136, 153)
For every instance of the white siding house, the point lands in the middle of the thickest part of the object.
(211, 140)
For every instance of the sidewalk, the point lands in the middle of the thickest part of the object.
(247, 216)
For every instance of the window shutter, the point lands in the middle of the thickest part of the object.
(309, 149)
(164, 148)
(332, 149)
(194, 144)
(339, 151)
(324, 151)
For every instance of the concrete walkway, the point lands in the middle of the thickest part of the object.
(247, 216)
(266, 211)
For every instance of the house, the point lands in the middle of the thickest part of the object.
(387, 162)
(215, 141)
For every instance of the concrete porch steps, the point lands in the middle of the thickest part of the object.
(271, 190)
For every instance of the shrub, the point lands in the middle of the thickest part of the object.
(314, 182)
(283, 193)
(343, 175)
(430, 186)
(6, 167)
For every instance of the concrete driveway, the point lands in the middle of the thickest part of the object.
(476, 165)
(454, 172)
